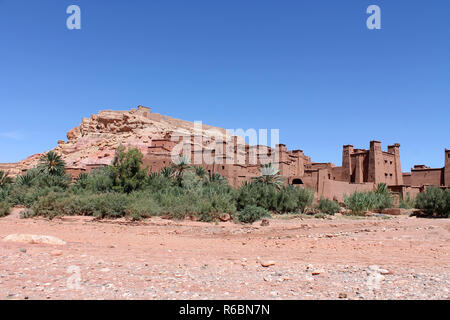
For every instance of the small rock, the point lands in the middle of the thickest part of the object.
(317, 272)
(34, 239)
(264, 223)
(23, 250)
(267, 263)
(384, 271)
(56, 253)
(342, 296)
(373, 268)
(225, 218)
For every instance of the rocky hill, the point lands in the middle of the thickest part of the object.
(94, 141)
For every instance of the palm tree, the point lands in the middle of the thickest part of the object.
(217, 178)
(179, 166)
(4, 179)
(201, 173)
(52, 164)
(27, 179)
(381, 188)
(166, 172)
(270, 176)
(82, 180)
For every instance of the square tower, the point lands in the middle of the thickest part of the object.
(447, 168)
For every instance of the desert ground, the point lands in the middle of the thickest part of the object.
(294, 257)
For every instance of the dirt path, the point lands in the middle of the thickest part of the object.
(397, 258)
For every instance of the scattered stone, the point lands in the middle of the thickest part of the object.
(23, 250)
(34, 239)
(384, 271)
(264, 223)
(342, 296)
(226, 217)
(317, 272)
(56, 253)
(267, 263)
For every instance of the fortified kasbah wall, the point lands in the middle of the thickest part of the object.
(93, 143)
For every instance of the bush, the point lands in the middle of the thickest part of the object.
(360, 202)
(48, 181)
(434, 201)
(27, 214)
(27, 196)
(305, 199)
(143, 205)
(382, 197)
(251, 214)
(112, 205)
(286, 199)
(5, 208)
(217, 201)
(257, 194)
(98, 181)
(328, 206)
(158, 181)
(126, 171)
(4, 192)
(52, 205)
(407, 203)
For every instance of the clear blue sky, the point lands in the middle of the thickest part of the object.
(309, 68)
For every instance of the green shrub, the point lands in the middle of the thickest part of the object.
(126, 170)
(191, 181)
(383, 197)
(288, 199)
(159, 181)
(251, 214)
(217, 201)
(143, 205)
(5, 208)
(27, 196)
(52, 205)
(434, 201)
(328, 206)
(257, 194)
(27, 214)
(5, 180)
(320, 215)
(28, 179)
(407, 203)
(4, 192)
(305, 199)
(100, 180)
(359, 202)
(111, 205)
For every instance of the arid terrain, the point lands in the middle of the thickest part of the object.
(381, 257)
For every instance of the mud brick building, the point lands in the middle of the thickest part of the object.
(92, 144)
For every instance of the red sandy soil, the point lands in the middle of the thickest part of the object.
(163, 259)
